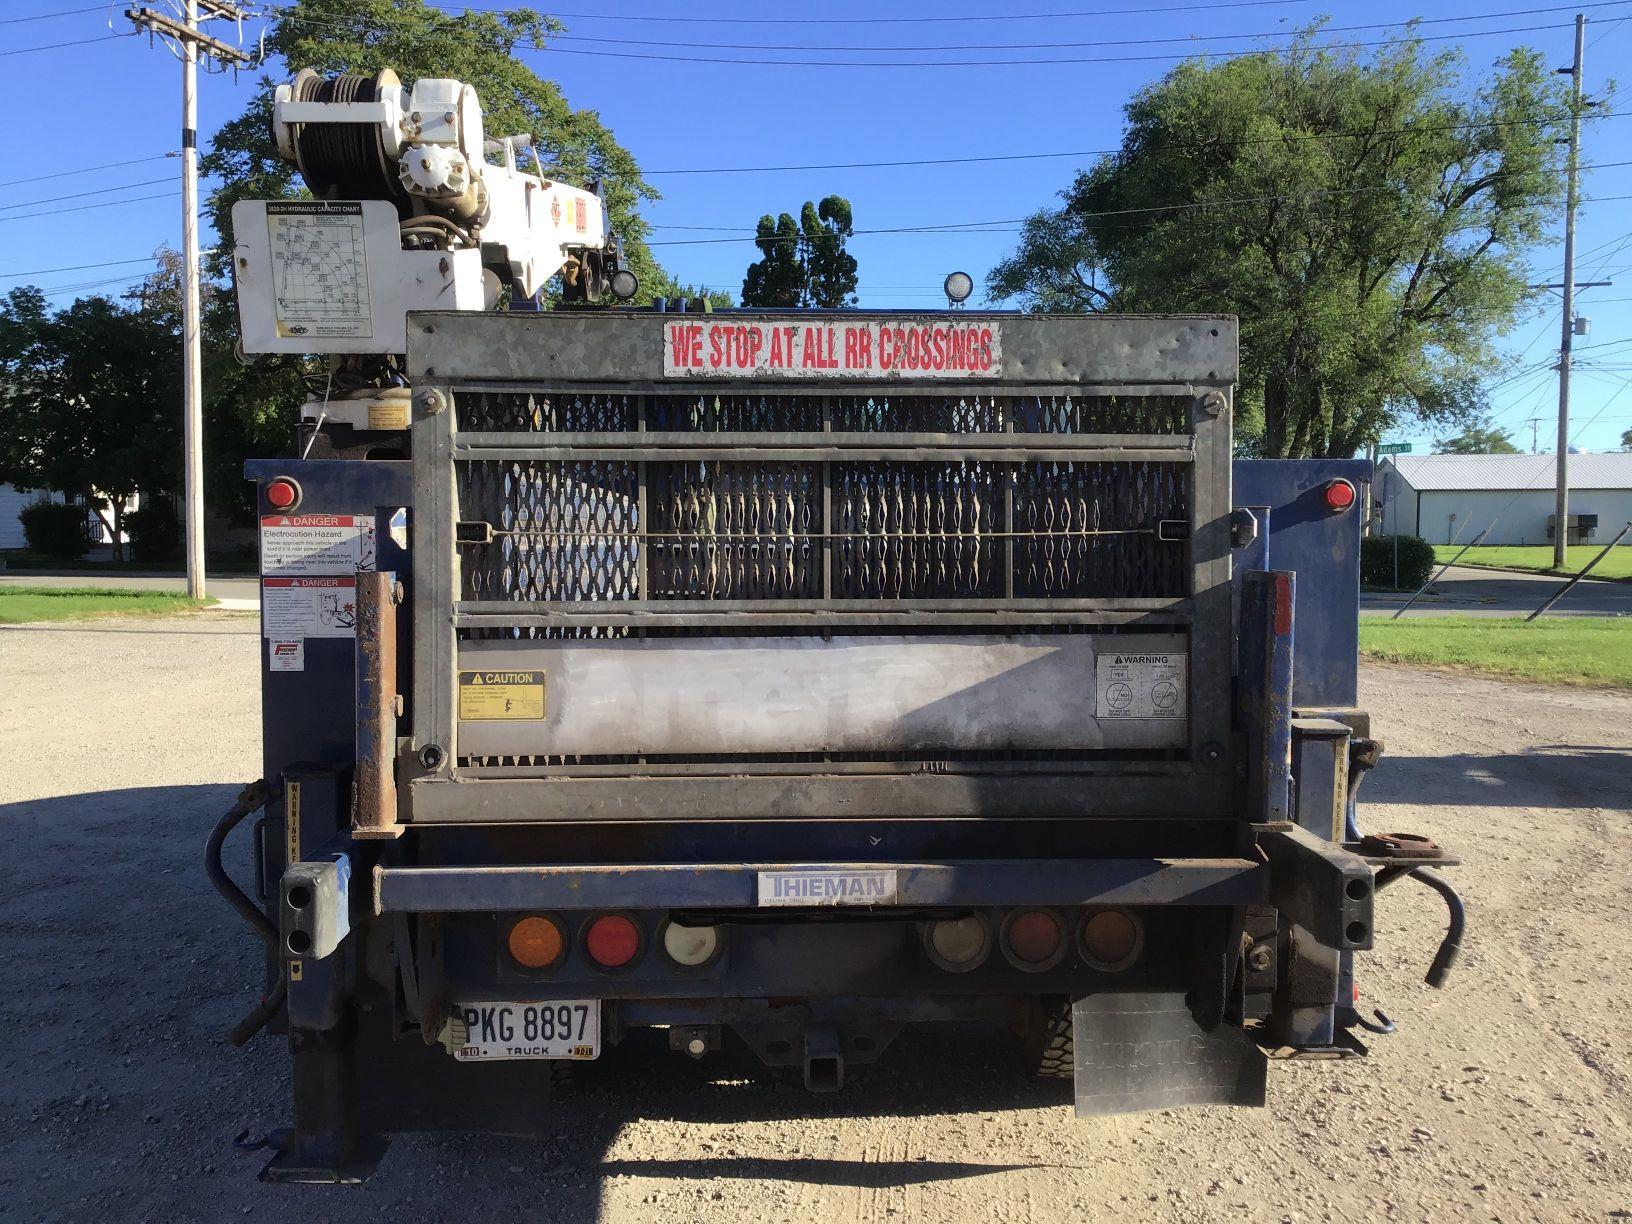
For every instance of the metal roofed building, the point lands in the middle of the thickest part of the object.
(1452, 498)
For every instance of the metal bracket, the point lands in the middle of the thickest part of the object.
(1319, 886)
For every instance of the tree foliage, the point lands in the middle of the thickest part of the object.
(481, 47)
(1366, 218)
(804, 262)
(1479, 438)
(89, 399)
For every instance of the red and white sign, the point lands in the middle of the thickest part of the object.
(293, 609)
(313, 544)
(832, 348)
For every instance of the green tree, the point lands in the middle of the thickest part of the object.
(1479, 438)
(478, 46)
(1367, 218)
(89, 400)
(830, 270)
(1626, 439)
(803, 263)
(777, 279)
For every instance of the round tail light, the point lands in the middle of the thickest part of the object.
(1111, 939)
(282, 493)
(1034, 939)
(535, 943)
(690, 945)
(1338, 494)
(612, 941)
(958, 944)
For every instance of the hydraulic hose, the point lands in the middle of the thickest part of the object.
(251, 799)
(1452, 943)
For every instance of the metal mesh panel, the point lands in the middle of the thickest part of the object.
(787, 412)
(1088, 529)
(563, 531)
(917, 530)
(734, 530)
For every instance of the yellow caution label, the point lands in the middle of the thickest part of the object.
(296, 970)
(291, 823)
(495, 696)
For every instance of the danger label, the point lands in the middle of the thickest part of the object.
(496, 696)
(293, 609)
(929, 348)
(1141, 685)
(307, 545)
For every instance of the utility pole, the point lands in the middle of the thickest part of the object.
(1561, 502)
(190, 44)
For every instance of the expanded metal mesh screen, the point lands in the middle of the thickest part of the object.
(582, 530)
(616, 412)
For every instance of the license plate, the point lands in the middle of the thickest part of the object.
(557, 1028)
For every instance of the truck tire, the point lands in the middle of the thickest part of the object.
(1044, 1038)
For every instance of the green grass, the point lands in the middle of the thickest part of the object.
(19, 604)
(1565, 650)
(1539, 557)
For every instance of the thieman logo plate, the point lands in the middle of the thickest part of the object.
(827, 886)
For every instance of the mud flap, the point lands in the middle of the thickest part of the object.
(1141, 1051)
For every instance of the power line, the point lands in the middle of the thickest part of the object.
(1055, 45)
(1288, 138)
(112, 263)
(95, 8)
(78, 42)
(937, 19)
(78, 194)
(40, 178)
(55, 212)
(984, 63)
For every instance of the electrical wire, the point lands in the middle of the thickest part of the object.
(40, 178)
(95, 8)
(55, 212)
(78, 42)
(1057, 45)
(80, 194)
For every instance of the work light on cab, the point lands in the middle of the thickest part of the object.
(282, 493)
(1338, 494)
(612, 941)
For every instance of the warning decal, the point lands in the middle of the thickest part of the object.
(908, 348)
(494, 696)
(1140, 685)
(310, 544)
(297, 608)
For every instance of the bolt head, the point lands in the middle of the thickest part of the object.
(696, 1047)
(1260, 959)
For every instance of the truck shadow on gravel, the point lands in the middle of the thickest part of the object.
(1546, 775)
(126, 970)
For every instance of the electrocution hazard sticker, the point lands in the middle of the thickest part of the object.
(494, 696)
(293, 609)
(306, 545)
(1140, 685)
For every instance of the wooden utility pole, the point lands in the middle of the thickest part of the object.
(1561, 501)
(189, 43)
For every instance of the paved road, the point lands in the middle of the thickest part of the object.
(235, 591)
(1506, 1096)
(1469, 591)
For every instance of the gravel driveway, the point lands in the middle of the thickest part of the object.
(1507, 1096)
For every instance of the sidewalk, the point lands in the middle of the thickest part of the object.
(236, 592)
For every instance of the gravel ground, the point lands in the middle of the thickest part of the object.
(1505, 1097)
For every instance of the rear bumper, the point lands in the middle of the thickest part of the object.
(1120, 881)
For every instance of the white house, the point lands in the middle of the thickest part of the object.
(1452, 498)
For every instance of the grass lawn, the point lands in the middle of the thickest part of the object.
(1539, 557)
(1588, 650)
(23, 603)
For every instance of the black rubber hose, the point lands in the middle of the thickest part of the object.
(253, 797)
(1452, 943)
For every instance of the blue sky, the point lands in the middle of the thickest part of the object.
(117, 100)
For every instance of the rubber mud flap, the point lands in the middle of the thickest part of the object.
(1144, 1050)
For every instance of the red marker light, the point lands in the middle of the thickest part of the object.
(282, 493)
(1339, 495)
(612, 941)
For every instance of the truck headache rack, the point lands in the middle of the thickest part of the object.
(895, 583)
